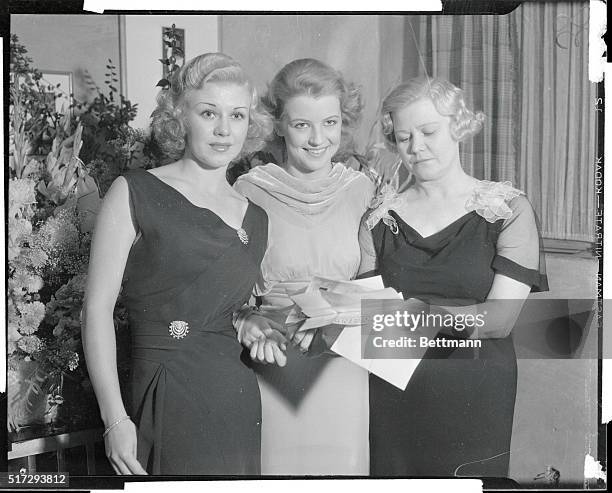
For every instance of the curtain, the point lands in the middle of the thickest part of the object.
(474, 52)
(556, 116)
(528, 72)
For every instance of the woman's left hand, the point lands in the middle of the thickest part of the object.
(303, 339)
(256, 327)
(269, 348)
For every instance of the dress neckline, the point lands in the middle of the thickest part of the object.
(445, 228)
(205, 209)
(490, 200)
(309, 198)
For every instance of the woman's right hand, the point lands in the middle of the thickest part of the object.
(265, 340)
(120, 444)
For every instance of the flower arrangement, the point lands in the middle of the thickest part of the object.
(40, 116)
(45, 250)
(52, 203)
(112, 145)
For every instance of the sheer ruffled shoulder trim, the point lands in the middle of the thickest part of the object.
(490, 200)
(384, 201)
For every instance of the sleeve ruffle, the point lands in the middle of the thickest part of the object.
(491, 200)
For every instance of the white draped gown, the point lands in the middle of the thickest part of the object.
(315, 409)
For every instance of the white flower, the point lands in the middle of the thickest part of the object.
(381, 204)
(25, 280)
(73, 364)
(19, 230)
(35, 285)
(21, 193)
(13, 252)
(59, 234)
(13, 334)
(30, 344)
(32, 315)
(36, 257)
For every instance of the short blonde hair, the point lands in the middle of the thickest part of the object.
(311, 77)
(446, 97)
(168, 125)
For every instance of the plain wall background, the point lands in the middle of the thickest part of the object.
(264, 44)
(555, 415)
(70, 43)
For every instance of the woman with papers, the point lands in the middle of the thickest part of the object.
(464, 244)
(314, 410)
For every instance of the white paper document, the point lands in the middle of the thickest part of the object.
(326, 302)
(395, 371)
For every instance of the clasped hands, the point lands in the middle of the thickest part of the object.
(267, 340)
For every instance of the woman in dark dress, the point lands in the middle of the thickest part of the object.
(188, 248)
(460, 245)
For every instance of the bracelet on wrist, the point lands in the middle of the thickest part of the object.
(113, 424)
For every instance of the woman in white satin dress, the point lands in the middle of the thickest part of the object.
(315, 408)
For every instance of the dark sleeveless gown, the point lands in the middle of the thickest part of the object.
(195, 403)
(455, 416)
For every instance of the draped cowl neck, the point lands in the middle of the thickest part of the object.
(309, 197)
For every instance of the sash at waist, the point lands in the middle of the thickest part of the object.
(178, 328)
(153, 339)
(278, 295)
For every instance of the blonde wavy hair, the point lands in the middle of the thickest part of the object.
(311, 77)
(168, 125)
(446, 97)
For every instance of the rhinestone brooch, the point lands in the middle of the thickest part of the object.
(178, 329)
(242, 234)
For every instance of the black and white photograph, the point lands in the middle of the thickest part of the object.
(304, 245)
